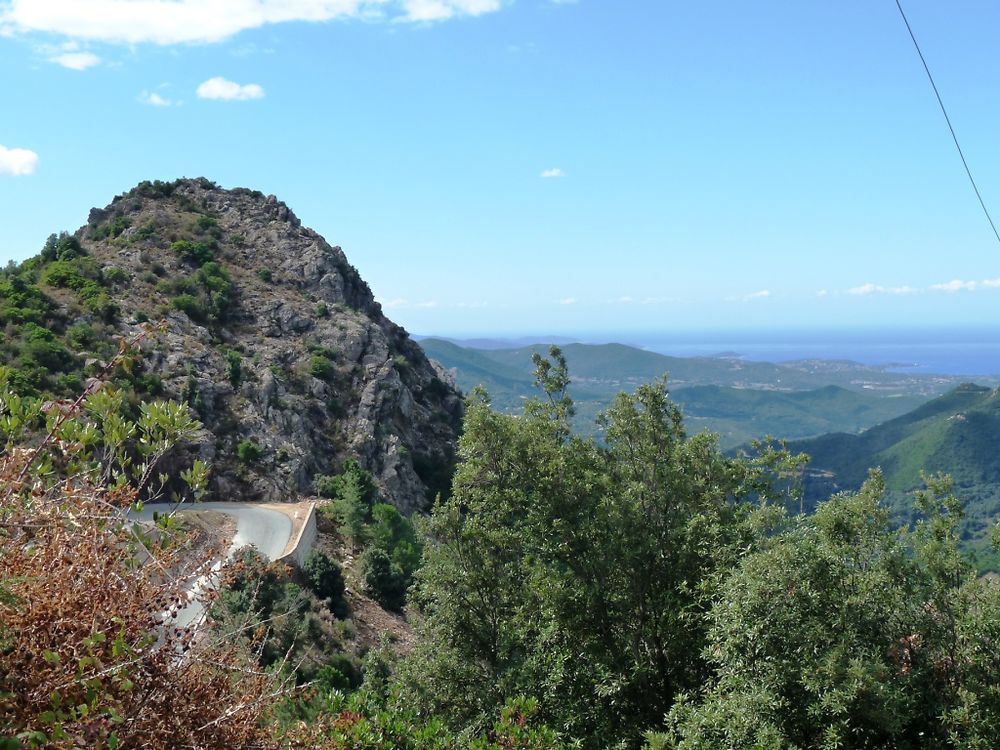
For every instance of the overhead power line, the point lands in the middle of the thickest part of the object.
(947, 119)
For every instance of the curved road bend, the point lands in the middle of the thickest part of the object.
(267, 530)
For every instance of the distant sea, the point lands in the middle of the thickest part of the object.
(964, 351)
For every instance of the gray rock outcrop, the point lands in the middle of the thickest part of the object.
(281, 344)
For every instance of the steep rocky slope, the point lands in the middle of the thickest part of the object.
(273, 337)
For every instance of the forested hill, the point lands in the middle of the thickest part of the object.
(270, 335)
(957, 433)
(737, 399)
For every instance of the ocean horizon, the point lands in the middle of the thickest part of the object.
(972, 351)
(943, 351)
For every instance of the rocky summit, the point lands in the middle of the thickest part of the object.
(276, 341)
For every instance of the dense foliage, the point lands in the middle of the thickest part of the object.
(956, 434)
(387, 540)
(89, 653)
(645, 590)
(283, 622)
(651, 586)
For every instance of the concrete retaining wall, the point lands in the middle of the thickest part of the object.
(299, 547)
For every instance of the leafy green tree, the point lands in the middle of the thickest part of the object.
(353, 493)
(326, 579)
(574, 572)
(846, 632)
(384, 579)
(362, 721)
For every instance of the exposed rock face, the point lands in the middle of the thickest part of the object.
(293, 354)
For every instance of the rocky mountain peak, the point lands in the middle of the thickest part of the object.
(277, 342)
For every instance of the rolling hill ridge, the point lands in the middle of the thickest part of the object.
(737, 399)
(956, 433)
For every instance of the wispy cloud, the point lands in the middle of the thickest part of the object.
(17, 161)
(762, 294)
(822, 293)
(224, 90)
(867, 289)
(76, 60)
(957, 285)
(155, 100)
(568, 301)
(398, 302)
(554, 172)
(442, 10)
(168, 22)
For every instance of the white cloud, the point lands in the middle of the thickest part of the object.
(554, 172)
(202, 21)
(625, 300)
(822, 293)
(154, 100)
(427, 305)
(762, 294)
(862, 290)
(956, 285)
(220, 88)
(76, 60)
(866, 289)
(398, 302)
(17, 161)
(568, 301)
(442, 10)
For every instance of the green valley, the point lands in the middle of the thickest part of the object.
(957, 433)
(737, 399)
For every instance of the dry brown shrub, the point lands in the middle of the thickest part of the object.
(88, 657)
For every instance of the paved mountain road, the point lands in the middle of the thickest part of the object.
(267, 530)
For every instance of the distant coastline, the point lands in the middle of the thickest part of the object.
(963, 351)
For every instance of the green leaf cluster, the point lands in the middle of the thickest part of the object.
(387, 540)
(648, 588)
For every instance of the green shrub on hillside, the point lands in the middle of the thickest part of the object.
(111, 229)
(22, 301)
(190, 306)
(234, 367)
(260, 597)
(206, 296)
(196, 253)
(326, 580)
(145, 232)
(383, 580)
(115, 275)
(320, 367)
(249, 452)
(62, 246)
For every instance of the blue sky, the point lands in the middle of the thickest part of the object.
(534, 166)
